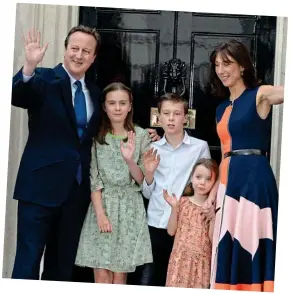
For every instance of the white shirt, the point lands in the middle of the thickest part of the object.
(89, 104)
(173, 173)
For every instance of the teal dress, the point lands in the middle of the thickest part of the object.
(128, 245)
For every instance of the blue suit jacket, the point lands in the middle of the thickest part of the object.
(53, 150)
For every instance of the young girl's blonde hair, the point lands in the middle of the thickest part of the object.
(210, 164)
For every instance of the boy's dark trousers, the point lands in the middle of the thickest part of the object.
(154, 274)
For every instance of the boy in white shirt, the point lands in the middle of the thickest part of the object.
(168, 167)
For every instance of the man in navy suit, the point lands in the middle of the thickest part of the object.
(53, 185)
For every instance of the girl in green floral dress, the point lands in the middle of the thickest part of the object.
(115, 237)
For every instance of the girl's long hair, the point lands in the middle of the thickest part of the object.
(105, 125)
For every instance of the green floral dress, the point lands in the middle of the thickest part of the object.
(128, 245)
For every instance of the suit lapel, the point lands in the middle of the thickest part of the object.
(94, 95)
(65, 86)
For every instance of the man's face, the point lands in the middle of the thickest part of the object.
(79, 54)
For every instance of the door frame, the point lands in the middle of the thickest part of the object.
(279, 79)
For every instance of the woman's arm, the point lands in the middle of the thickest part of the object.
(208, 207)
(266, 97)
(211, 229)
(213, 193)
(271, 94)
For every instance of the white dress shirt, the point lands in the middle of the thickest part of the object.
(173, 173)
(89, 104)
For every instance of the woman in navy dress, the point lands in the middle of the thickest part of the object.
(243, 255)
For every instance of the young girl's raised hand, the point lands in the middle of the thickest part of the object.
(171, 200)
(128, 149)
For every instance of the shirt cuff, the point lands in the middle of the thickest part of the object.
(26, 79)
(147, 189)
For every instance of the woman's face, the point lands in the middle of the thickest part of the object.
(228, 71)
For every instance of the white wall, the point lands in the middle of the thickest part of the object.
(54, 22)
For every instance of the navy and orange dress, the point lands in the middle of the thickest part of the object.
(244, 242)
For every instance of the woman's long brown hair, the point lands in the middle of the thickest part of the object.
(105, 125)
(241, 55)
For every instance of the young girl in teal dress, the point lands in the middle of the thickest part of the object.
(115, 238)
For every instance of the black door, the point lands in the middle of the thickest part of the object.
(146, 48)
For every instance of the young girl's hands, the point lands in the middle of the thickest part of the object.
(171, 200)
(128, 149)
(103, 223)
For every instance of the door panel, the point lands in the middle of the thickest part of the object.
(136, 44)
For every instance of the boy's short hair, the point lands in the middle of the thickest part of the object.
(173, 98)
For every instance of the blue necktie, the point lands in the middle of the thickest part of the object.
(81, 118)
(80, 109)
